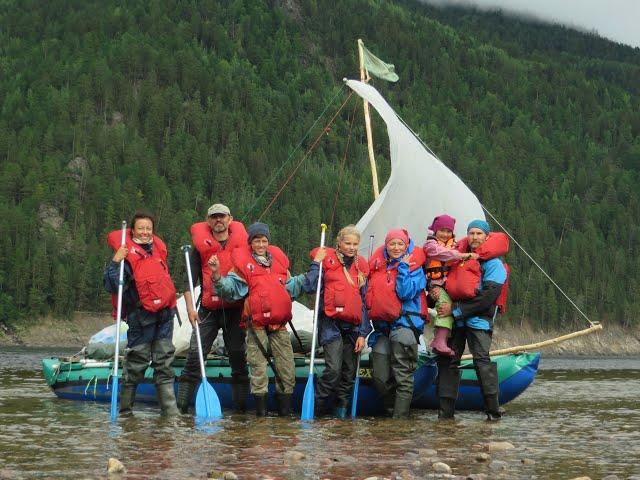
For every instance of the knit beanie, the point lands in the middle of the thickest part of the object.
(441, 222)
(399, 233)
(481, 224)
(257, 229)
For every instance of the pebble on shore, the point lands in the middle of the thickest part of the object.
(115, 466)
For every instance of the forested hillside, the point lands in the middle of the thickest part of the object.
(109, 106)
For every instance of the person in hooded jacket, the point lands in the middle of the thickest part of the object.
(342, 318)
(397, 306)
(148, 301)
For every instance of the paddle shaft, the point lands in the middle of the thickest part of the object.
(114, 388)
(316, 308)
(203, 373)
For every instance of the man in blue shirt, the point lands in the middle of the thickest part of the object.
(473, 326)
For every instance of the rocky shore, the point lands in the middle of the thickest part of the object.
(75, 332)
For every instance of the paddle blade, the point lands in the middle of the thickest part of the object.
(354, 400)
(207, 403)
(308, 401)
(114, 398)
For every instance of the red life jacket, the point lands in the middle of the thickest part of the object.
(382, 300)
(342, 299)
(207, 245)
(268, 302)
(150, 272)
(437, 269)
(463, 280)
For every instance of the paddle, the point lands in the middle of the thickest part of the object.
(207, 402)
(356, 385)
(308, 401)
(114, 376)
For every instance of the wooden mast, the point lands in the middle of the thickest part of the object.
(364, 77)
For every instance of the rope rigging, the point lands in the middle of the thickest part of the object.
(325, 130)
(290, 157)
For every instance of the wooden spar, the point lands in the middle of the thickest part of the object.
(364, 77)
(534, 346)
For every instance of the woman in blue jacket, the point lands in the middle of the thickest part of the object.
(397, 306)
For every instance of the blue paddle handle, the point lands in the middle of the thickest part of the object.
(354, 401)
(114, 398)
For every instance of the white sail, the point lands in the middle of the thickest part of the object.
(420, 186)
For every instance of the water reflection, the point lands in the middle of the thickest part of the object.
(579, 418)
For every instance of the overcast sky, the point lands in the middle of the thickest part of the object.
(618, 20)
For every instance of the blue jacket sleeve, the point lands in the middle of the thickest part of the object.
(231, 287)
(111, 276)
(409, 284)
(310, 281)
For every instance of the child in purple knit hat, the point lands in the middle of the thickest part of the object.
(441, 253)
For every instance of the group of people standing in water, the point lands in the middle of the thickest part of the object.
(247, 292)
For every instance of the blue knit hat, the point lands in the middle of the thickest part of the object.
(481, 224)
(257, 229)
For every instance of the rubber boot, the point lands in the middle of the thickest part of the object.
(439, 342)
(167, 399)
(389, 402)
(126, 400)
(284, 404)
(186, 390)
(261, 404)
(447, 408)
(401, 407)
(239, 394)
(320, 407)
(488, 377)
(340, 412)
(493, 410)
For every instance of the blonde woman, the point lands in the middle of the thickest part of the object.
(342, 318)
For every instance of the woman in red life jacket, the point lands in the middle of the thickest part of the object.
(342, 318)
(261, 277)
(149, 301)
(441, 253)
(397, 306)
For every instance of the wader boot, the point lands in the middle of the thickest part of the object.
(439, 342)
(127, 397)
(401, 407)
(447, 408)
(493, 410)
(488, 376)
(382, 380)
(167, 399)
(186, 389)
(340, 412)
(261, 404)
(284, 404)
(239, 394)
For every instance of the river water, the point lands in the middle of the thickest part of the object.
(581, 417)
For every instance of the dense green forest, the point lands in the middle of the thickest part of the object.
(110, 106)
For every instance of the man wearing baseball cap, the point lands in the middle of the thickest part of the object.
(217, 237)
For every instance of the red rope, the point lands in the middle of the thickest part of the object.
(325, 130)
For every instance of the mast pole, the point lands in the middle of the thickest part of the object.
(364, 77)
